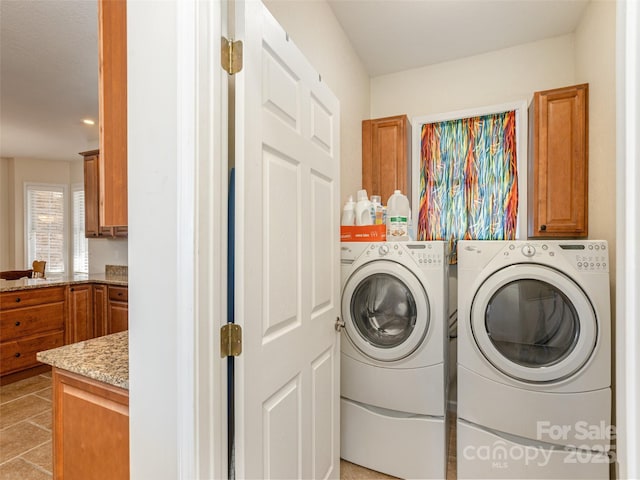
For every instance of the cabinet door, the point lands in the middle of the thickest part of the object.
(112, 31)
(91, 194)
(558, 169)
(90, 428)
(80, 318)
(100, 312)
(386, 156)
(118, 315)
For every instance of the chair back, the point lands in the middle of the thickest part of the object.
(38, 269)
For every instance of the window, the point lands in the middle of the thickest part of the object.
(469, 169)
(80, 242)
(45, 225)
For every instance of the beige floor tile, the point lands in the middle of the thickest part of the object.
(19, 469)
(47, 393)
(23, 387)
(41, 456)
(44, 420)
(19, 438)
(351, 471)
(22, 408)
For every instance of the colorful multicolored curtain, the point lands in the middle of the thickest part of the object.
(469, 180)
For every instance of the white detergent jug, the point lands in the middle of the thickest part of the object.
(398, 217)
(363, 209)
(349, 212)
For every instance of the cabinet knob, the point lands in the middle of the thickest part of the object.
(17, 324)
(543, 228)
(17, 299)
(17, 355)
(73, 289)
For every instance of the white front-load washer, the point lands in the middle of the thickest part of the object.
(393, 370)
(534, 359)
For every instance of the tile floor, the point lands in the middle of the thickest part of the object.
(25, 435)
(25, 429)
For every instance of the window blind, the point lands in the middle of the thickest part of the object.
(80, 242)
(45, 226)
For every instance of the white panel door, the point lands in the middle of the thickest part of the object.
(287, 258)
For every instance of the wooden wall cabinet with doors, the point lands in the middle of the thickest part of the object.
(30, 321)
(94, 226)
(112, 40)
(386, 156)
(91, 428)
(558, 162)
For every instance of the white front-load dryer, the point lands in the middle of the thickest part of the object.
(534, 359)
(393, 369)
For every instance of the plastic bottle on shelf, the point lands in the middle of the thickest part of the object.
(363, 209)
(376, 209)
(398, 217)
(349, 212)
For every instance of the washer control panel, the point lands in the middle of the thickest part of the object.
(423, 253)
(586, 255)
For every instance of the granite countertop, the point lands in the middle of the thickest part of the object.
(105, 359)
(55, 280)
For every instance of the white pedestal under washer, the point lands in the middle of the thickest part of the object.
(393, 370)
(534, 359)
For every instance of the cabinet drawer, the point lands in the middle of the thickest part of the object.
(119, 294)
(22, 322)
(20, 354)
(26, 298)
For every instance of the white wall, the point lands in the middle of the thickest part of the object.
(316, 31)
(595, 65)
(5, 257)
(492, 78)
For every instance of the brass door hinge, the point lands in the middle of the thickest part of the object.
(230, 340)
(231, 56)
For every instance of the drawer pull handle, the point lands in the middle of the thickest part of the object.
(17, 355)
(17, 299)
(17, 324)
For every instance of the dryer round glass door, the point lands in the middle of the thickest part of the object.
(533, 323)
(385, 310)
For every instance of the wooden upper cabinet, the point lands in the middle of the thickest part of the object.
(112, 32)
(94, 226)
(386, 156)
(558, 162)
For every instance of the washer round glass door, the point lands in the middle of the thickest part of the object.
(386, 310)
(533, 323)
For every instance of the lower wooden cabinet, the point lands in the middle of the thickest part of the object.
(80, 319)
(118, 310)
(91, 429)
(38, 319)
(30, 321)
(100, 300)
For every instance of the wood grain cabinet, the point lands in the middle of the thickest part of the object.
(118, 309)
(80, 317)
(112, 80)
(386, 156)
(30, 321)
(558, 162)
(100, 312)
(91, 428)
(94, 225)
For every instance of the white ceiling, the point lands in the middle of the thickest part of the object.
(395, 35)
(49, 78)
(49, 55)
